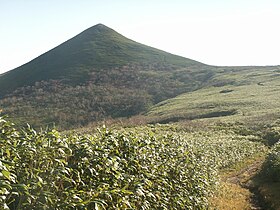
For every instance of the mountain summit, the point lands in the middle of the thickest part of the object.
(98, 47)
(97, 74)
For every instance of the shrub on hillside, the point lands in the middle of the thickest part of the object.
(109, 170)
(272, 164)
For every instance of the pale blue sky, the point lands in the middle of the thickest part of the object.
(216, 32)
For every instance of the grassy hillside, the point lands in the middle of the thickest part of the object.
(98, 74)
(120, 92)
(96, 48)
(234, 93)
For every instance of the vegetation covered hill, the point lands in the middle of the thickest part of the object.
(97, 48)
(233, 94)
(100, 74)
(93, 76)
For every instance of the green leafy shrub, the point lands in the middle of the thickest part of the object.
(143, 168)
(10, 189)
(272, 164)
(108, 170)
(272, 135)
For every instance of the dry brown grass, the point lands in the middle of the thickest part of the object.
(231, 196)
(234, 192)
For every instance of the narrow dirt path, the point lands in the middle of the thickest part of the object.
(238, 188)
(243, 178)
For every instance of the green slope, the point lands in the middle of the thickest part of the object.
(96, 75)
(234, 94)
(98, 47)
(100, 74)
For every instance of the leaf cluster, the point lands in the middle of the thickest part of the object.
(271, 169)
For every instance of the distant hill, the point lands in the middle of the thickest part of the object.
(97, 74)
(96, 48)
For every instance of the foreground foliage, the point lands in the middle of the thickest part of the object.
(271, 169)
(146, 168)
(272, 164)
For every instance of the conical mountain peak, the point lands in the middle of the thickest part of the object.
(98, 47)
(100, 26)
(98, 29)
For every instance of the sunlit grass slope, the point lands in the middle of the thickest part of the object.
(233, 94)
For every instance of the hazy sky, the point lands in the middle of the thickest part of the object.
(216, 32)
